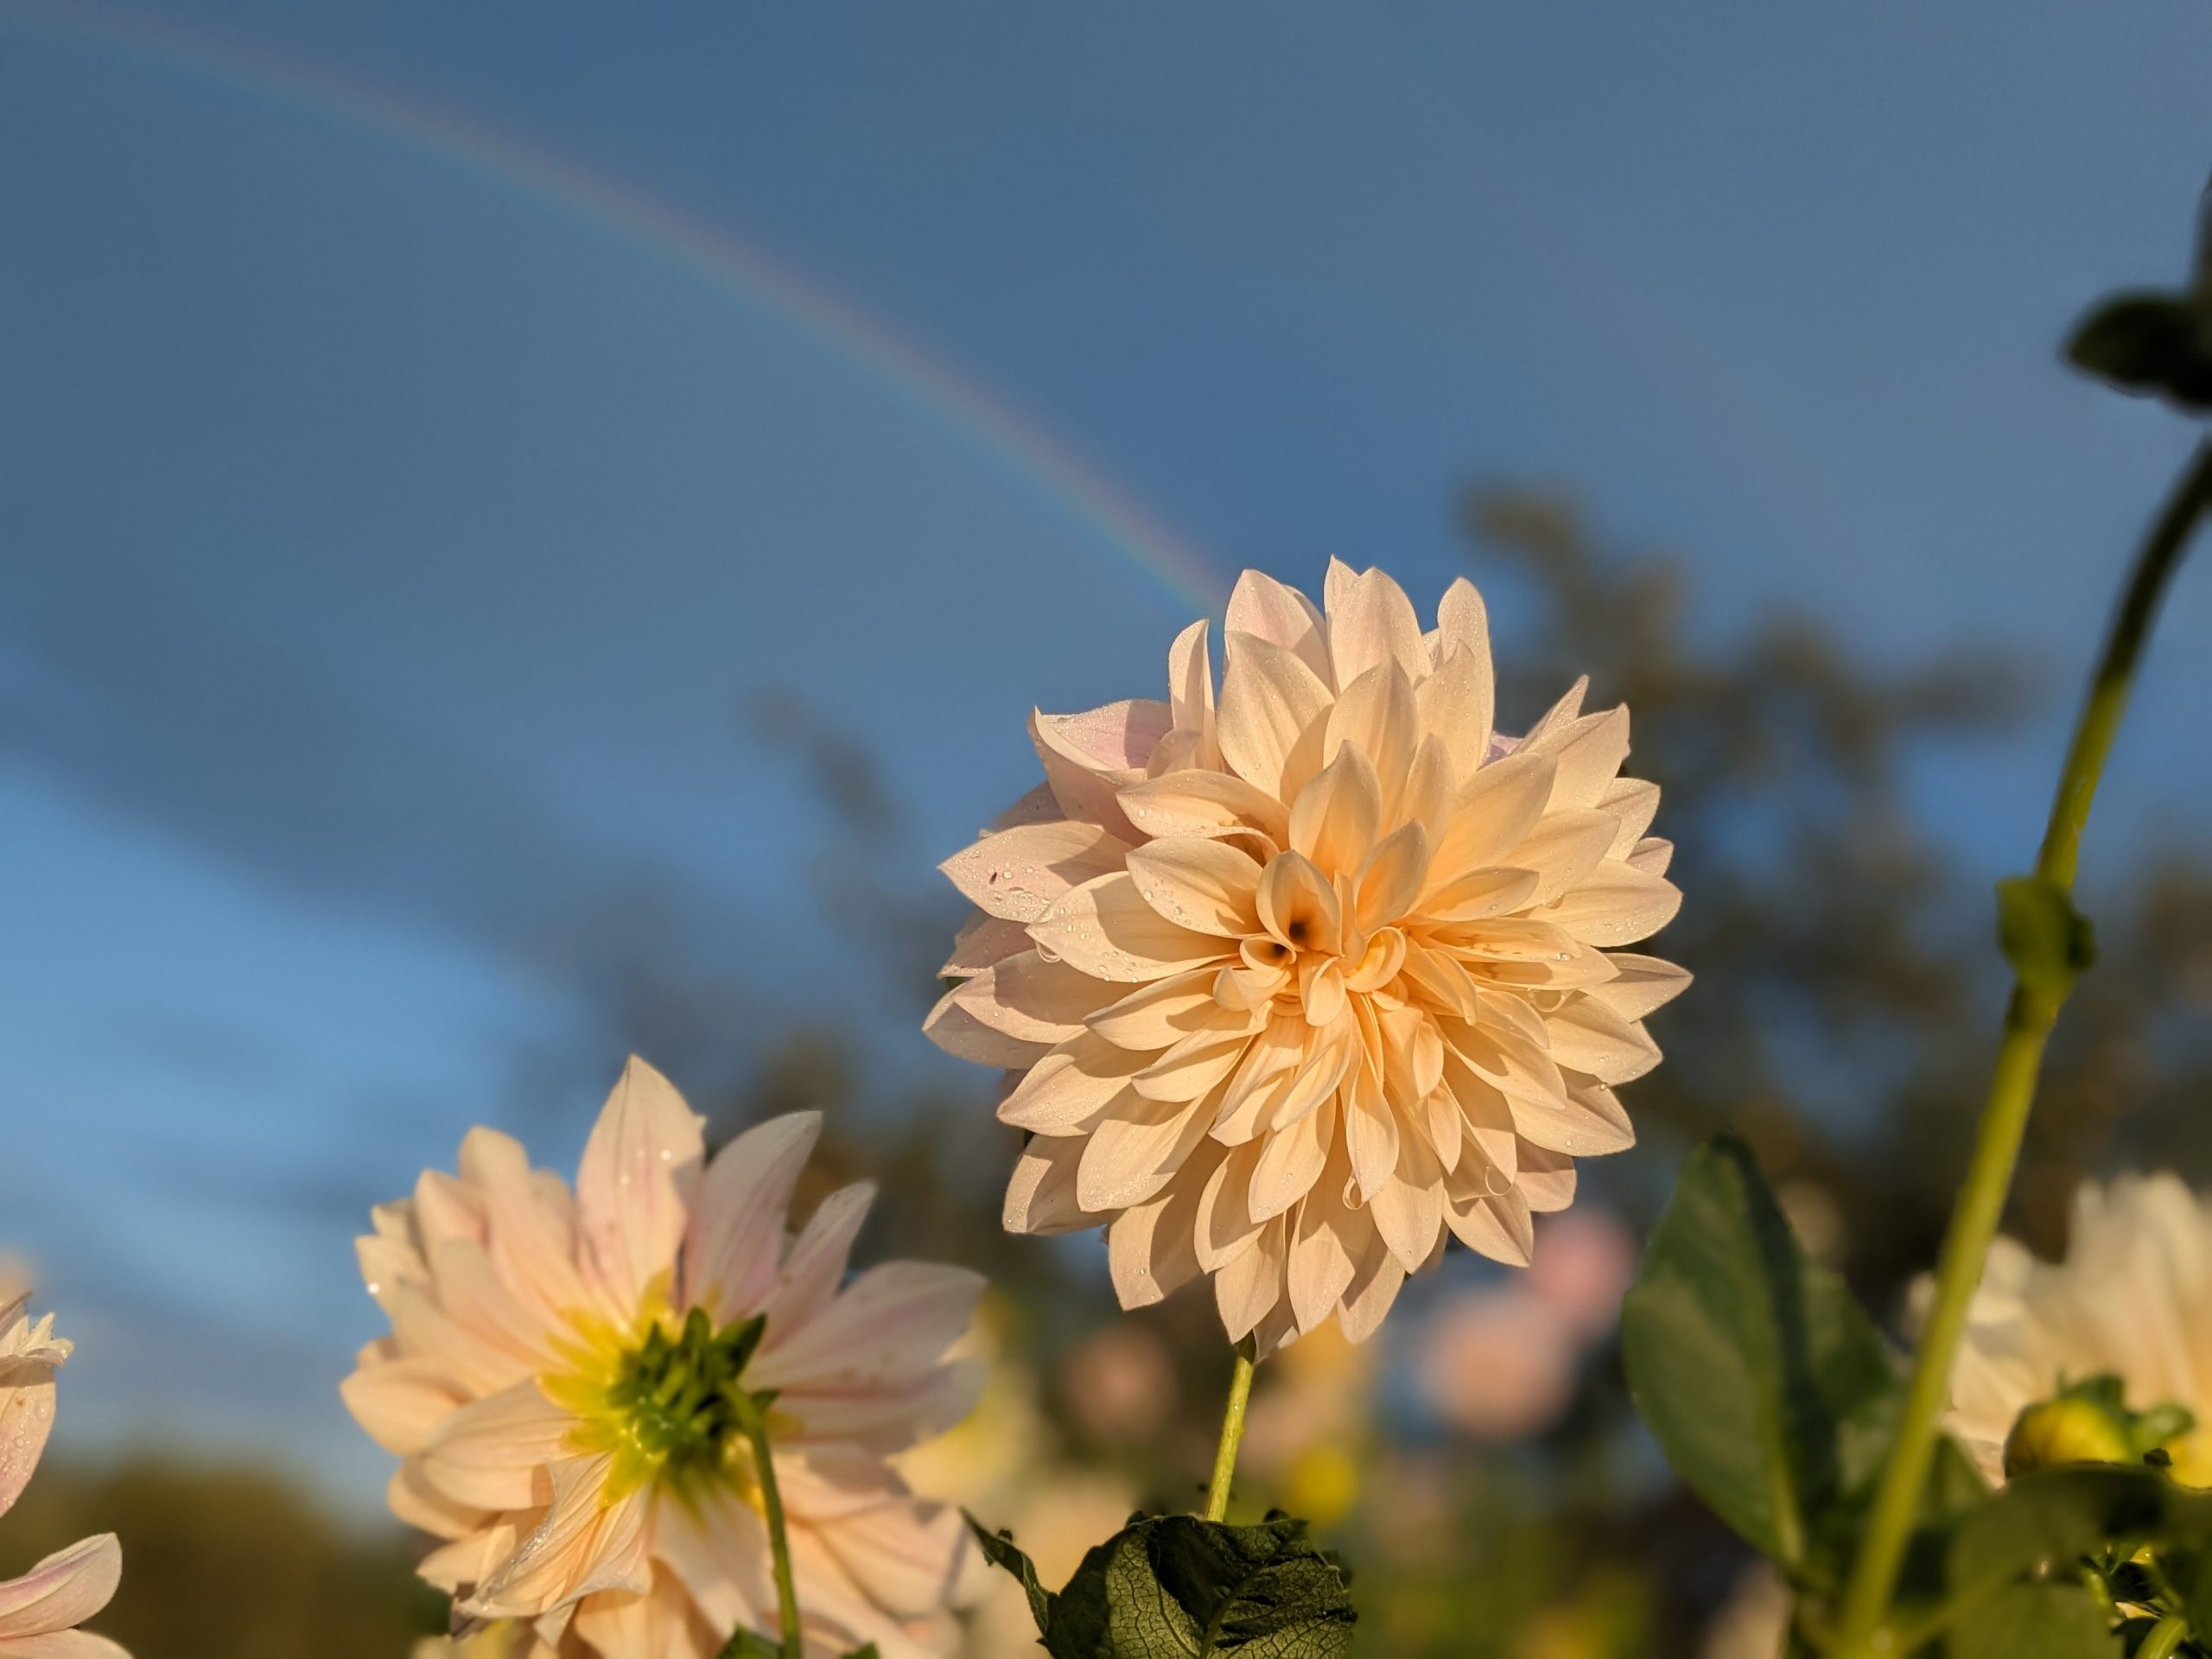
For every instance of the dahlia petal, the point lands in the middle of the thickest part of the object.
(906, 1556)
(494, 1452)
(1250, 1283)
(1106, 930)
(1585, 1120)
(1376, 1279)
(65, 1644)
(61, 1592)
(26, 1421)
(1063, 1092)
(1320, 1265)
(416, 1502)
(1653, 855)
(1457, 704)
(1040, 1199)
(1372, 621)
(1590, 750)
(1588, 1036)
(1225, 1223)
(1134, 1151)
(840, 1612)
(890, 1325)
(1335, 819)
(1207, 886)
(1190, 692)
(1036, 806)
(1431, 787)
(584, 1545)
(1480, 895)
(1409, 1206)
(1298, 905)
(1260, 605)
(1496, 809)
(532, 1247)
(1377, 714)
(1270, 701)
(1017, 875)
(815, 1264)
(881, 1420)
(1211, 803)
(1263, 1080)
(1463, 623)
(1083, 786)
(1370, 1132)
(984, 940)
(1563, 848)
(400, 1401)
(1116, 737)
(470, 1291)
(1635, 803)
(663, 1621)
(1392, 877)
(1194, 1066)
(953, 1026)
(1615, 903)
(1290, 1160)
(1563, 713)
(1641, 985)
(737, 1226)
(421, 1326)
(1498, 1226)
(634, 1185)
(1545, 1178)
(1163, 1013)
(1151, 1248)
(1034, 998)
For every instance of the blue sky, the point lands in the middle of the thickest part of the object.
(388, 550)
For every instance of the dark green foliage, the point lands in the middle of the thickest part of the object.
(2150, 343)
(1176, 1588)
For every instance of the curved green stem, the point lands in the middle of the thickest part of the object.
(753, 1416)
(1232, 1432)
(2029, 1017)
(2165, 1638)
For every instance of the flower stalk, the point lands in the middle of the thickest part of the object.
(1232, 1432)
(2044, 973)
(753, 1419)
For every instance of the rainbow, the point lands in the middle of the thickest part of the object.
(804, 311)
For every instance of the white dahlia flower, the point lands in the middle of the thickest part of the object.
(1292, 980)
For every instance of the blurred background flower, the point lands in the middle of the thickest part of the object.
(525, 536)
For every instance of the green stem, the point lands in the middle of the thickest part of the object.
(753, 1416)
(2028, 1020)
(2165, 1638)
(1232, 1433)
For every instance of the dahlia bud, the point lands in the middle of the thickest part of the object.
(2090, 1422)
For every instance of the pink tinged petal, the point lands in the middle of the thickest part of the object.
(1376, 1279)
(1463, 620)
(1261, 606)
(1163, 1013)
(1371, 621)
(1392, 877)
(1136, 1151)
(63, 1591)
(665, 1621)
(634, 1185)
(1641, 985)
(1116, 737)
(1037, 806)
(1298, 906)
(582, 1545)
(953, 1026)
(984, 940)
(1017, 875)
(1105, 928)
(1202, 803)
(1546, 1179)
(66, 1644)
(1496, 809)
(1320, 1265)
(1635, 803)
(1033, 998)
(1084, 786)
(1207, 886)
(1615, 903)
(1040, 1199)
(1589, 751)
(496, 1453)
(416, 1502)
(1152, 1248)
(737, 1226)
(1249, 1285)
(1290, 1160)
(1225, 1224)
(891, 1325)
(1653, 855)
(1335, 819)
(1270, 703)
(815, 1265)
(26, 1420)
(421, 1326)
(532, 1245)
(907, 1556)
(883, 1419)
(1563, 848)
(838, 1614)
(1376, 715)
(1065, 1092)
(1195, 1066)
(1587, 1036)
(471, 1295)
(400, 1402)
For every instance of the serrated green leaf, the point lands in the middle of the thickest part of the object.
(2037, 1621)
(1176, 1588)
(1762, 1378)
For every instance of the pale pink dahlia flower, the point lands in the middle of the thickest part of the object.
(1291, 982)
(40, 1611)
(558, 1381)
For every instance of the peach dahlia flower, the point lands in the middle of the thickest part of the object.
(40, 1611)
(2133, 1299)
(559, 1377)
(1293, 980)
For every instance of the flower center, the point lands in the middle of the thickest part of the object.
(671, 1409)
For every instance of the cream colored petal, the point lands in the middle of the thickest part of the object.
(1392, 877)
(984, 940)
(1207, 886)
(1376, 1279)
(1376, 715)
(634, 1187)
(1563, 848)
(906, 1556)
(1498, 1225)
(1136, 1150)
(1225, 1224)
(585, 1544)
(1065, 1092)
(470, 1291)
(1371, 621)
(1263, 1080)
(1152, 1248)
(1431, 786)
(1371, 1132)
(1190, 692)
(1585, 1120)
(1567, 710)
(1116, 737)
(1037, 806)
(1320, 1264)
(1653, 855)
(1315, 1079)
(1270, 701)
(815, 1264)
(1261, 606)
(1546, 1179)
(1589, 751)
(1084, 786)
(883, 1419)
(498, 1453)
(1106, 930)
(1019, 874)
(1249, 1286)
(664, 1621)
(1520, 1070)
(416, 1502)
(1195, 1066)
(890, 1325)
(953, 1026)
(1463, 623)
(1633, 802)
(1290, 1160)
(1456, 705)
(60, 1592)
(531, 1243)
(1480, 895)
(1641, 985)
(1408, 1207)
(1163, 1013)
(26, 1420)
(1040, 1197)
(400, 1402)
(1298, 905)
(737, 1227)
(1441, 979)
(1202, 803)
(1033, 999)
(1615, 905)
(1585, 1035)
(1496, 808)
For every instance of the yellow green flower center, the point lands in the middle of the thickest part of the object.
(668, 1405)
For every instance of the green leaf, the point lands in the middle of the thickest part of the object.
(2037, 1621)
(2054, 1517)
(871, 1651)
(2150, 343)
(1763, 1381)
(751, 1644)
(2049, 943)
(999, 1550)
